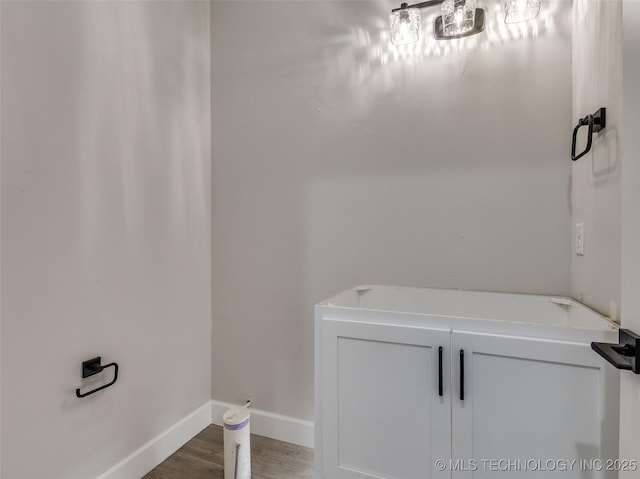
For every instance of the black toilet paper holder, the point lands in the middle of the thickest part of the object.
(92, 367)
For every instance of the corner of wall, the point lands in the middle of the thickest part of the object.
(596, 177)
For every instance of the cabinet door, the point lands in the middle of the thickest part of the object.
(535, 403)
(382, 413)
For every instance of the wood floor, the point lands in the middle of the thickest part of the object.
(202, 458)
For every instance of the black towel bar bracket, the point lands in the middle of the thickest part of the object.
(92, 367)
(625, 355)
(596, 122)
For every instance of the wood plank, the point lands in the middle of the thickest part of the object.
(203, 458)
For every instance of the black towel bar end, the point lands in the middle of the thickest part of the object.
(624, 355)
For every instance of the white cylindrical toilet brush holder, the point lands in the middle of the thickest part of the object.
(237, 443)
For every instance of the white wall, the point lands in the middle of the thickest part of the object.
(338, 160)
(630, 383)
(105, 227)
(596, 178)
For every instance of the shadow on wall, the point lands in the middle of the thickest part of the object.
(128, 135)
(605, 156)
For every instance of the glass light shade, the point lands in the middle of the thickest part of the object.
(521, 10)
(458, 17)
(405, 26)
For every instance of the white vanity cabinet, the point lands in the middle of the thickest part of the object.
(382, 412)
(536, 402)
(394, 394)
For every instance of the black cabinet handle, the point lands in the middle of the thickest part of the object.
(462, 375)
(440, 371)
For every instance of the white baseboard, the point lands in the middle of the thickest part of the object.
(268, 424)
(263, 423)
(138, 463)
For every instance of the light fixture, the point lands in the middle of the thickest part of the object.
(521, 10)
(459, 18)
(405, 25)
